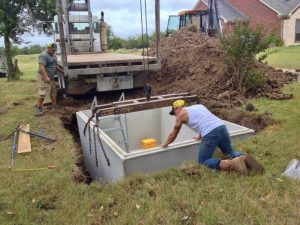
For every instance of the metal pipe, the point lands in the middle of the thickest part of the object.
(103, 34)
(14, 147)
(38, 135)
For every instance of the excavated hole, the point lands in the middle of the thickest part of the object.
(68, 117)
(70, 124)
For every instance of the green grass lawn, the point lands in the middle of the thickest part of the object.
(191, 194)
(28, 65)
(285, 57)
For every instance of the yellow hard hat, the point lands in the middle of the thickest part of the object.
(177, 104)
(52, 45)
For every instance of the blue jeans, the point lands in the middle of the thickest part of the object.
(218, 137)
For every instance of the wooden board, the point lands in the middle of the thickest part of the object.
(24, 144)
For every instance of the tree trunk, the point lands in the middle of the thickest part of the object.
(9, 62)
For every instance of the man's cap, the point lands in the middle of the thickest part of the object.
(177, 104)
(52, 45)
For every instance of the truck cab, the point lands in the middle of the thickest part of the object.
(79, 33)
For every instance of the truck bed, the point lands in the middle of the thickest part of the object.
(108, 63)
(107, 59)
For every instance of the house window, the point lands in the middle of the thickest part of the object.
(297, 36)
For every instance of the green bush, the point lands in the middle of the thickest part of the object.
(241, 47)
(274, 40)
(254, 80)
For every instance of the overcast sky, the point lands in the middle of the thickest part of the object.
(124, 17)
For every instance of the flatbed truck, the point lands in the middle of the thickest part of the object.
(84, 56)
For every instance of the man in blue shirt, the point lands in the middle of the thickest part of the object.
(214, 134)
(46, 72)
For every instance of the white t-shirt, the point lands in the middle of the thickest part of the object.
(201, 120)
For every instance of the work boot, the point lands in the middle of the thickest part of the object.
(237, 164)
(253, 165)
(55, 108)
(39, 111)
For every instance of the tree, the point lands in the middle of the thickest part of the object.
(18, 17)
(113, 41)
(241, 47)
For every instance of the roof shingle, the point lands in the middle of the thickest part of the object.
(227, 12)
(282, 7)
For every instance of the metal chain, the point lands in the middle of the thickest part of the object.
(90, 141)
(101, 144)
(95, 145)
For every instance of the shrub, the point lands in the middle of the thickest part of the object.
(240, 47)
(254, 80)
(274, 40)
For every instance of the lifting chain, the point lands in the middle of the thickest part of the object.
(90, 141)
(96, 126)
(95, 145)
(99, 139)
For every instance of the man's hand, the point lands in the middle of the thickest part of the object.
(197, 137)
(59, 69)
(47, 79)
(164, 145)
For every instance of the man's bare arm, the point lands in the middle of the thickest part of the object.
(172, 136)
(180, 119)
(44, 73)
(59, 69)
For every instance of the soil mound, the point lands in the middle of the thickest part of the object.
(193, 62)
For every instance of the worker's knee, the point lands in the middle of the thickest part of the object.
(201, 160)
(213, 163)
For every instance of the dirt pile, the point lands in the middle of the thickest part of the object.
(193, 62)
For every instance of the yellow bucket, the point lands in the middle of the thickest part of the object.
(148, 143)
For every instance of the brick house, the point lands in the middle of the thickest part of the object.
(281, 17)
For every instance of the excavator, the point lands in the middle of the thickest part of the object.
(207, 20)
